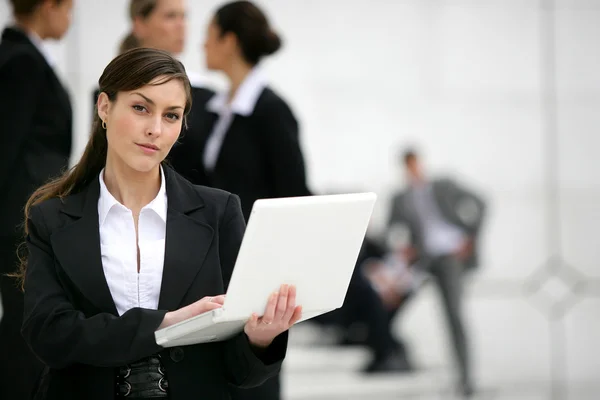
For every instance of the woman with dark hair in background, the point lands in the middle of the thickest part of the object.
(249, 143)
(122, 245)
(35, 145)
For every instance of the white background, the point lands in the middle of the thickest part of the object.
(467, 82)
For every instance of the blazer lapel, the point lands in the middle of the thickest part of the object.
(188, 239)
(77, 246)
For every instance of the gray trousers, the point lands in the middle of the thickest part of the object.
(447, 273)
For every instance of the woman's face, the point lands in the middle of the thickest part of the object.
(164, 28)
(218, 49)
(143, 125)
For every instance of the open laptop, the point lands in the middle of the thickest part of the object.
(312, 242)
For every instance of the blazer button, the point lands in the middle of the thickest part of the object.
(177, 354)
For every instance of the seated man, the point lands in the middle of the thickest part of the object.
(364, 305)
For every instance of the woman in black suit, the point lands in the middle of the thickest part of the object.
(249, 143)
(35, 145)
(121, 246)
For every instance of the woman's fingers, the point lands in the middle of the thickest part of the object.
(269, 315)
(296, 315)
(207, 306)
(291, 304)
(282, 302)
(253, 321)
(217, 299)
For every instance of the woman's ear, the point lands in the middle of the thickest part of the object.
(103, 106)
(231, 43)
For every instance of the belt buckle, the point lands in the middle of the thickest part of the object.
(128, 389)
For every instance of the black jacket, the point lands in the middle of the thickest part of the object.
(35, 132)
(71, 321)
(260, 156)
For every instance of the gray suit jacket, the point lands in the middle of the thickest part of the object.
(457, 205)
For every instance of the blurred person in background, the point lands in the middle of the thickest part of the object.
(35, 145)
(249, 144)
(162, 25)
(392, 278)
(443, 221)
(157, 24)
(366, 316)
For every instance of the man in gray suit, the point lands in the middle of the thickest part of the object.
(443, 221)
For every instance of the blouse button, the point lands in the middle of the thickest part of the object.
(176, 354)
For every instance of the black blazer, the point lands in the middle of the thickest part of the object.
(260, 156)
(70, 319)
(35, 127)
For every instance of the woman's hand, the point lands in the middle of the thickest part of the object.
(200, 307)
(281, 313)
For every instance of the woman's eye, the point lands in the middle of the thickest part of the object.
(173, 116)
(137, 107)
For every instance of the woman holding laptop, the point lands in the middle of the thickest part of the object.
(121, 246)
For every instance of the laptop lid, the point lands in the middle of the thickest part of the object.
(311, 242)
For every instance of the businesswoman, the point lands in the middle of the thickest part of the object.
(249, 143)
(35, 145)
(121, 246)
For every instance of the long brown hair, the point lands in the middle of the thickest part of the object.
(128, 71)
(137, 9)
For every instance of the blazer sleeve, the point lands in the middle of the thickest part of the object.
(286, 162)
(62, 336)
(470, 207)
(21, 78)
(246, 367)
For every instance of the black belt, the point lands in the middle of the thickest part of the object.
(143, 379)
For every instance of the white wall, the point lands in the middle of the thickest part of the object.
(466, 81)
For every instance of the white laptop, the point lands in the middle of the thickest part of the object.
(312, 242)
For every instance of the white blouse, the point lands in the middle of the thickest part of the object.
(129, 288)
